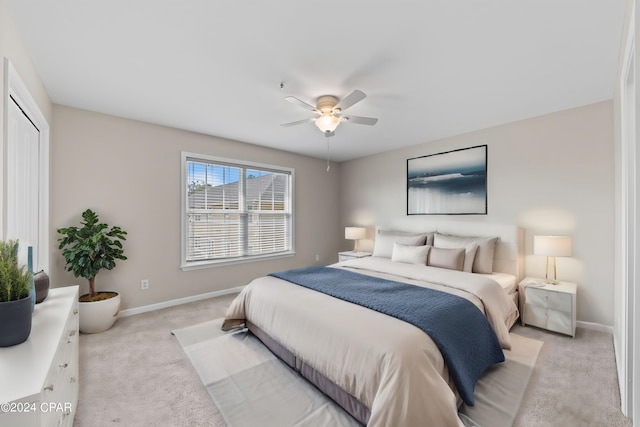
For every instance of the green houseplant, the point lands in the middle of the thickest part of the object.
(15, 297)
(88, 249)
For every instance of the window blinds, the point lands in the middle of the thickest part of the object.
(236, 211)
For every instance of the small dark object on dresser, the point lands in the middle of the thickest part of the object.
(41, 280)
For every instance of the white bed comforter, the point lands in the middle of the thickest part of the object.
(390, 366)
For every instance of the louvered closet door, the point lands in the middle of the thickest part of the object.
(22, 182)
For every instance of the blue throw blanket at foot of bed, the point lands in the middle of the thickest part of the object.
(463, 334)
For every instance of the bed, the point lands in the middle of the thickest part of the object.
(381, 369)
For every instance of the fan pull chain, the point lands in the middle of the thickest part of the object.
(328, 164)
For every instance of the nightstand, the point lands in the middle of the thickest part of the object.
(551, 307)
(345, 256)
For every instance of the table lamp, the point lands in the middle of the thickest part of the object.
(551, 246)
(355, 233)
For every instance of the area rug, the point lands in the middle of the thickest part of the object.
(250, 386)
(500, 390)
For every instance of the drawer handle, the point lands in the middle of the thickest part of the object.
(64, 365)
(50, 388)
(72, 333)
(75, 311)
(72, 380)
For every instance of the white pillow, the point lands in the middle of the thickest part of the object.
(483, 256)
(383, 245)
(410, 254)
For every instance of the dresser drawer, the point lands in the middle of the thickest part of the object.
(549, 299)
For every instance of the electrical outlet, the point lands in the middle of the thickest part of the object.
(144, 284)
(317, 258)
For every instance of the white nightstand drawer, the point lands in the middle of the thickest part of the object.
(536, 315)
(558, 321)
(548, 318)
(549, 299)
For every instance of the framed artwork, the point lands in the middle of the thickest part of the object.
(449, 183)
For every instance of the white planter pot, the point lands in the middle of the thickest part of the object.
(98, 316)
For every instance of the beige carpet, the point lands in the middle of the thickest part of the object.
(250, 386)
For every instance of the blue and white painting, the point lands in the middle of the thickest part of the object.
(451, 183)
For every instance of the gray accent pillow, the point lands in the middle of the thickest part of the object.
(453, 259)
(485, 249)
(383, 245)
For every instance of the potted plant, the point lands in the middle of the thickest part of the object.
(87, 250)
(15, 297)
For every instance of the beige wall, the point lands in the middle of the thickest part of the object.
(12, 48)
(129, 172)
(552, 174)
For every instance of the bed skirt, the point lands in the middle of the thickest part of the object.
(350, 404)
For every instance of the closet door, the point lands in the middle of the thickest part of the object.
(23, 182)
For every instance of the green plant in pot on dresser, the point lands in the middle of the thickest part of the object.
(16, 306)
(87, 250)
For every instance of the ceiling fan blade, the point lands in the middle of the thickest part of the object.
(353, 98)
(300, 103)
(369, 121)
(298, 122)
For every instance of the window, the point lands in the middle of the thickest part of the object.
(234, 211)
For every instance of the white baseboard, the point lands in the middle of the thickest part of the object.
(595, 326)
(179, 301)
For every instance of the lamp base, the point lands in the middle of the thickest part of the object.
(553, 281)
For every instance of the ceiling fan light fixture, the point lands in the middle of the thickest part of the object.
(327, 122)
(330, 110)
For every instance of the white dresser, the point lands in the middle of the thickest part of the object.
(39, 378)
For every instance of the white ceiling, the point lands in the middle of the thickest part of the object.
(431, 68)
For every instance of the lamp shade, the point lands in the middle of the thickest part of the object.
(552, 245)
(355, 233)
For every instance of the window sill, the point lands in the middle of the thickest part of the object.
(198, 265)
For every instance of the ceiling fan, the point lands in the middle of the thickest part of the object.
(329, 110)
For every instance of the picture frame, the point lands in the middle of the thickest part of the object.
(448, 183)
